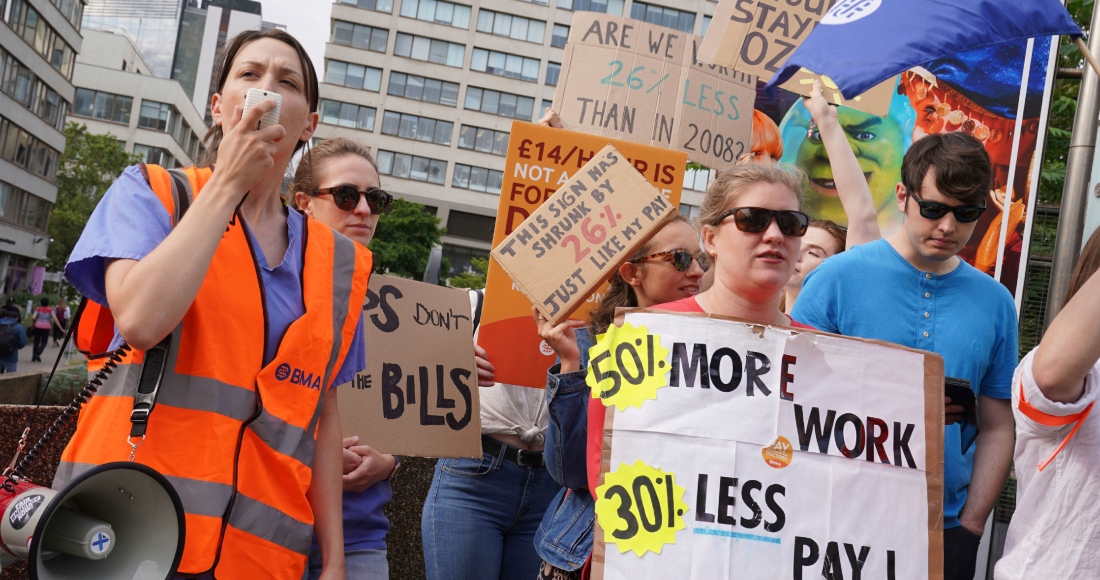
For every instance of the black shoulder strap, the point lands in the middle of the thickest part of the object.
(477, 309)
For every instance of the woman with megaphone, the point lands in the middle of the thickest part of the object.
(255, 311)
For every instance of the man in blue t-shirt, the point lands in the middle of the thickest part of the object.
(912, 289)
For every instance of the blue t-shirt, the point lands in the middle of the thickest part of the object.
(964, 316)
(130, 221)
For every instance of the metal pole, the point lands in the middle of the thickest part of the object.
(1071, 222)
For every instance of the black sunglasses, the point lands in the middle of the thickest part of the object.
(346, 197)
(754, 220)
(681, 259)
(934, 211)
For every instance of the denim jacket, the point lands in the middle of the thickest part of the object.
(564, 539)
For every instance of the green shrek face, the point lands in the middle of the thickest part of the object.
(879, 146)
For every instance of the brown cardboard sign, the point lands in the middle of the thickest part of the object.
(630, 80)
(576, 240)
(418, 395)
(756, 36)
(876, 101)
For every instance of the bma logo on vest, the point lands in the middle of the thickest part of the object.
(298, 377)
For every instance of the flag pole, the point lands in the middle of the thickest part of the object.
(1087, 54)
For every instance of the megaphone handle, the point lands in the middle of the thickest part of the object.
(67, 416)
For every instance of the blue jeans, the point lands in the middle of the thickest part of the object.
(358, 564)
(480, 519)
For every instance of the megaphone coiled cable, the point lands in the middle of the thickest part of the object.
(67, 416)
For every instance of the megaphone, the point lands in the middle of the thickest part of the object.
(118, 520)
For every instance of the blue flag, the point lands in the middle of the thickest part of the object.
(860, 43)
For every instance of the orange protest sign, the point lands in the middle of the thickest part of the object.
(540, 160)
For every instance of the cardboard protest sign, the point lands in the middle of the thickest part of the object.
(755, 38)
(419, 394)
(765, 452)
(640, 82)
(875, 101)
(576, 240)
(540, 160)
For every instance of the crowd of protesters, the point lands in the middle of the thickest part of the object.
(213, 261)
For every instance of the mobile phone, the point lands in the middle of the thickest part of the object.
(961, 394)
(255, 97)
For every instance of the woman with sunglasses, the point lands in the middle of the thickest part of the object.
(667, 268)
(337, 184)
(825, 238)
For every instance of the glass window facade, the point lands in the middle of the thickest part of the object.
(670, 17)
(429, 49)
(103, 106)
(375, 5)
(353, 75)
(498, 103)
(423, 89)
(359, 36)
(152, 25)
(411, 167)
(516, 27)
(470, 226)
(347, 115)
(416, 127)
(477, 179)
(27, 23)
(483, 140)
(156, 116)
(614, 7)
(19, 83)
(23, 208)
(505, 65)
(437, 11)
(27, 151)
(553, 71)
(155, 155)
(559, 36)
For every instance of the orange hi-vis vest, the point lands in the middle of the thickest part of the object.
(235, 437)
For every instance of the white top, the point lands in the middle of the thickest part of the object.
(1055, 531)
(512, 409)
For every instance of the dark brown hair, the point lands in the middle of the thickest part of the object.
(1087, 265)
(213, 137)
(619, 293)
(962, 168)
(838, 234)
(311, 168)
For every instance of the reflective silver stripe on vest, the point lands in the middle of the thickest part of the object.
(283, 437)
(202, 498)
(264, 521)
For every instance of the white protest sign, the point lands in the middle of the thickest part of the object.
(766, 453)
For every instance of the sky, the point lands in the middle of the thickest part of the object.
(306, 20)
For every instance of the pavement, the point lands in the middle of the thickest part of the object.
(72, 358)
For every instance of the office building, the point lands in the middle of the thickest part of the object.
(432, 87)
(117, 94)
(39, 41)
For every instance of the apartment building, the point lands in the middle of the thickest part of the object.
(39, 41)
(432, 87)
(117, 94)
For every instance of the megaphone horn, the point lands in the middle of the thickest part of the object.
(118, 520)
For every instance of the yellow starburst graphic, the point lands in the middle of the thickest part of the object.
(640, 508)
(626, 366)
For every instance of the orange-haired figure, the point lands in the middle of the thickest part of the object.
(767, 145)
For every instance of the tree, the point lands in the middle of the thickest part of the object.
(472, 280)
(404, 239)
(88, 166)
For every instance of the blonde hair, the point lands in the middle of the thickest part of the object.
(731, 183)
(307, 178)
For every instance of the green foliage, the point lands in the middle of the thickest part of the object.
(472, 280)
(88, 167)
(1062, 109)
(404, 239)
